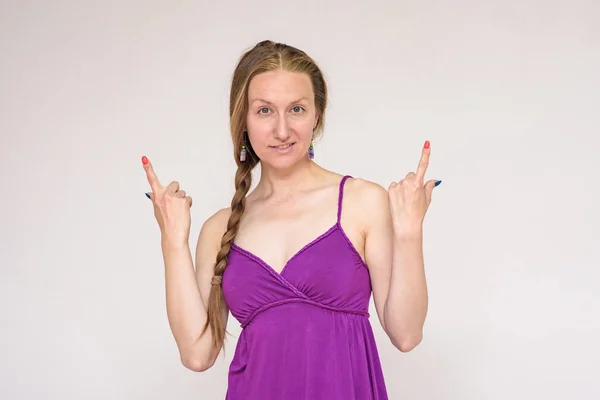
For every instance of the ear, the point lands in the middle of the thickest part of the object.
(316, 121)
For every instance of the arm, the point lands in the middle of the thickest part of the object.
(397, 271)
(187, 293)
(407, 302)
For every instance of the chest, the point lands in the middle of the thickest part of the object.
(277, 234)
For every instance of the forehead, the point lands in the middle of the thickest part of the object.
(280, 85)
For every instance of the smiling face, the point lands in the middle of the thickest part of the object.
(281, 117)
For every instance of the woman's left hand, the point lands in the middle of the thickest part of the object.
(410, 198)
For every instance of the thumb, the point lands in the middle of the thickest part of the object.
(430, 185)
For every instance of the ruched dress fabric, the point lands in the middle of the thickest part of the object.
(306, 333)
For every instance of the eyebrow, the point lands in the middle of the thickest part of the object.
(268, 102)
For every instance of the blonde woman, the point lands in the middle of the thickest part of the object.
(296, 260)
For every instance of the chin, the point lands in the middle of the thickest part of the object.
(289, 161)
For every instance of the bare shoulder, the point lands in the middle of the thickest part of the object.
(365, 194)
(365, 211)
(366, 203)
(213, 229)
(218, 221)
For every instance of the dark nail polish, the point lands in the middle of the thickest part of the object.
(437, 183)
(147, 195)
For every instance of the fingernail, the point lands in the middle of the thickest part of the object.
(147, 195)
(427, 144)
(144, 160)
(437, 183)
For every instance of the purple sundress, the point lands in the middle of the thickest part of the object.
(306, 332)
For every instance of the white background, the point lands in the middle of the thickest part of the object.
(506, 91)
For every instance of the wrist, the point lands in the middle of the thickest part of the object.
(408, 232)
(173, 244)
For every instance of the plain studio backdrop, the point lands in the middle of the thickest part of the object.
(507, 93)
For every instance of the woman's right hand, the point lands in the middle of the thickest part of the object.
(171, 207)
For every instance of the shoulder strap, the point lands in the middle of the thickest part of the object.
(341, 197)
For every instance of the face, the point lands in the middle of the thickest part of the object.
(281, 117)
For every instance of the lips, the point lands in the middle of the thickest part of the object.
(283, 146)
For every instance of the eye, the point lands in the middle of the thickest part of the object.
(297, 109)
(263, 108)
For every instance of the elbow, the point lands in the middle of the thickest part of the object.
(406, 343)
(196, 364)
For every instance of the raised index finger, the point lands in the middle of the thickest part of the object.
(152, 178)
(424, 162)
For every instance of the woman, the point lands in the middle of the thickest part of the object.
(296, 260)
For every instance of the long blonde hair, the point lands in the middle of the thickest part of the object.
(263, 57)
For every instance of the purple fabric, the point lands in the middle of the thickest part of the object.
(306, 332)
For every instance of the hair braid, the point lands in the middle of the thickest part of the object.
(243, 182)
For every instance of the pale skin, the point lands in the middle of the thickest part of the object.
(294, 202)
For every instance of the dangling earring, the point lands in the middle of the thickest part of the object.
(243, 152)
(311, 151)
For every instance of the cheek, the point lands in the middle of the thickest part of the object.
(303, 126)
(305, 123)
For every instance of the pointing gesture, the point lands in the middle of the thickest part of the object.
(171, 207)
(152, 178)
(410, 197)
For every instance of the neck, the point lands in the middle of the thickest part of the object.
(277, 183)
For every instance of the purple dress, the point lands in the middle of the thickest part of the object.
(306, 332)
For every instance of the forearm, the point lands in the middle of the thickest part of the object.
(185, 309)
(406, 304)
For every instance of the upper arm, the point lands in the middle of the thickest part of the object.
(207, 248)
(378, 232)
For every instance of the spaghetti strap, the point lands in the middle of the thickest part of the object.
(341, 197)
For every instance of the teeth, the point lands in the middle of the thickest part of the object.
(284, 146)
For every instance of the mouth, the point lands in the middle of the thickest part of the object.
(283, 146)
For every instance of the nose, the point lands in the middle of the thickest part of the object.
(282, 129)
